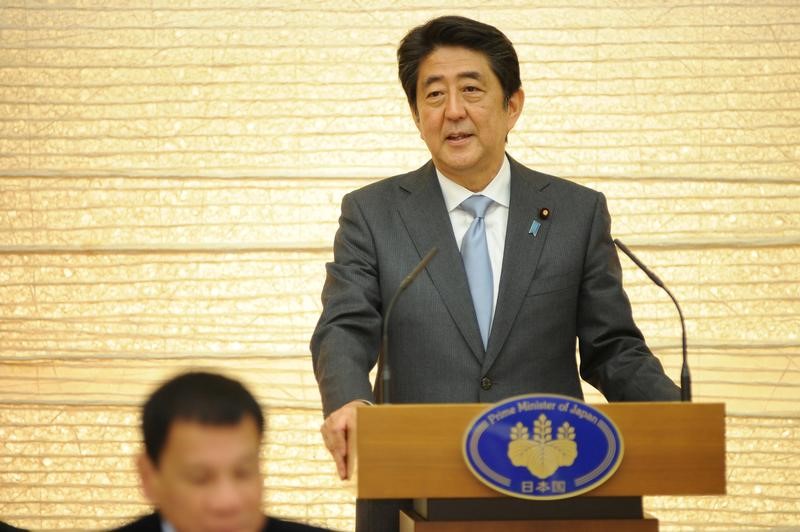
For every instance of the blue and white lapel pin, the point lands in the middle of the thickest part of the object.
(544, 214)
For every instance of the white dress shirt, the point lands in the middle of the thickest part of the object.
(496, 219)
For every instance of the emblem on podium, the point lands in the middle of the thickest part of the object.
(542, 447)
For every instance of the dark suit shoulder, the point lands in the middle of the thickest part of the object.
(5, 527)
(390, 186)
(279, 525)
(148, 523)
(557, 184)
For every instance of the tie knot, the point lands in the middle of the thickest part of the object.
(477, 205)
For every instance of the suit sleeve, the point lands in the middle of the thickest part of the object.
(345, 343)
(614, 356)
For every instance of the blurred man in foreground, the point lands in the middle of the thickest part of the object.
(200, 468)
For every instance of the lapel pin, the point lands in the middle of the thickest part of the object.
(544, 214)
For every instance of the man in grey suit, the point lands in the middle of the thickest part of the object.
(516, 280)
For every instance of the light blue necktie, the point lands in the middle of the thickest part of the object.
(475, 252)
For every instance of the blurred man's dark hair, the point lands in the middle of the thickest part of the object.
(200, 397)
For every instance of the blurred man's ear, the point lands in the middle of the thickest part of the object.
(148, 475)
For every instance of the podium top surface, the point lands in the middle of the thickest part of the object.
(414, 451)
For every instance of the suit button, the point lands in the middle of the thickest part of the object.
(486, 383)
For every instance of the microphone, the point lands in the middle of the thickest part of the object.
(686, 379)
(385, 369)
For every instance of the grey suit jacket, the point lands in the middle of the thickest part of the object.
(561, 284)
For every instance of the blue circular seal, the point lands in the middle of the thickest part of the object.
(542, 447)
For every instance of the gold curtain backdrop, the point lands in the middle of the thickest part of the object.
(170, 178)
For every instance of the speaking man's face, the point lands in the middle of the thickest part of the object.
(208, 478)
(461, 115)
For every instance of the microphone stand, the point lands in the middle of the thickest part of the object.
(686, 379)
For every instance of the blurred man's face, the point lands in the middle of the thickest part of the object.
(208, 477)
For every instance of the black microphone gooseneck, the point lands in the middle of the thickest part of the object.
(686, 379)
(386, 373)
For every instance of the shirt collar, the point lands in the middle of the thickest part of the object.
(166, 526)
(498, 189)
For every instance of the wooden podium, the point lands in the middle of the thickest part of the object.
(414, 452)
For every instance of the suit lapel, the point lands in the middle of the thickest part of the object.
(521, 254)
(428, 224)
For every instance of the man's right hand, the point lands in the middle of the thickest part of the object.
(335, 431)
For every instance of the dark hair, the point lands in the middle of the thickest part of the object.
(205, 398)
(457, 31)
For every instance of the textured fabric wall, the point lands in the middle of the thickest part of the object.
(170, 176)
